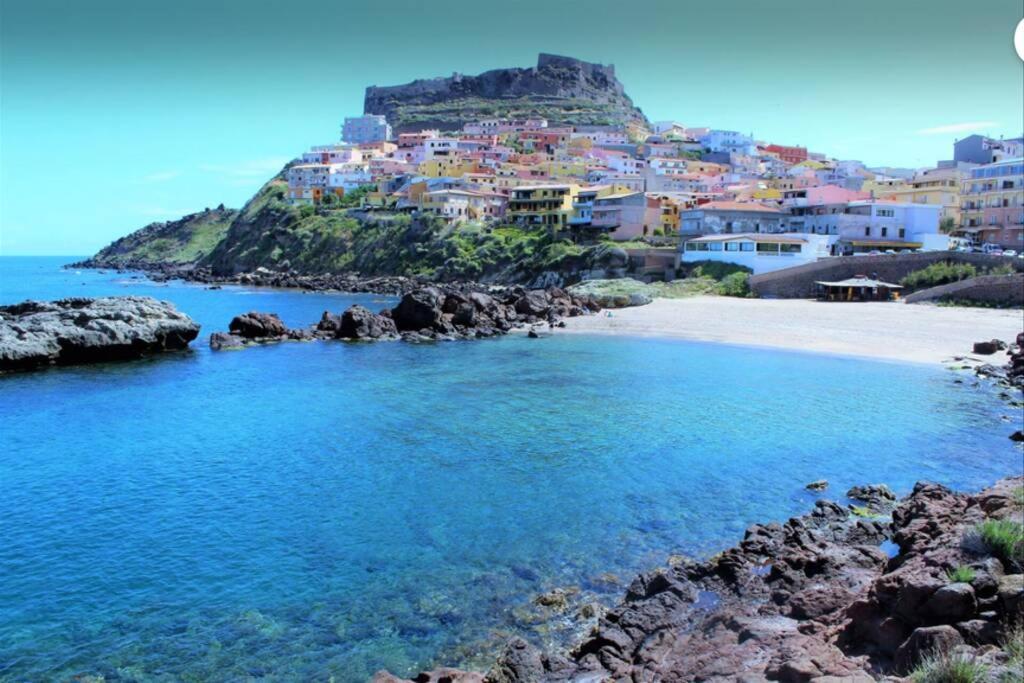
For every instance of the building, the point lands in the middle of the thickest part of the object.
(549, 206)
(992, 204)
(368, 128)
(760, 252)
(791, 155)
(457, 206)
(978, 149)
(307, 182)
(937, 186)
(728, 142)
(626, 215)
(723, 217)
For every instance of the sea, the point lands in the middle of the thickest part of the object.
(325, 510)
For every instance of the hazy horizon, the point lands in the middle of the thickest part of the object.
(117, 114)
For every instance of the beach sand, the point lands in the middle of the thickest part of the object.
(885, 331)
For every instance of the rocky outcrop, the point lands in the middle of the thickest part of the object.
(561, 89)
(36, 334)
(430, 313)
(814, 599)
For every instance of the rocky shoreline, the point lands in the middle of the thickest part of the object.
(884, 589)
(36, 334)
(431, 313)
(817, 598)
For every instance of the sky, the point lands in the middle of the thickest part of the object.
(115, 114)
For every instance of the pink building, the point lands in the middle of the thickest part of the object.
(626, 216)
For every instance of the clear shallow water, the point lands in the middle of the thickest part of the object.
(305, 510)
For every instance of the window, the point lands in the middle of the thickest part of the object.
(903, 233)
(885, 232)
(732, 246)
(746, 246)
(867, 231)
(790, 248)
(771, 249)
(716, 246)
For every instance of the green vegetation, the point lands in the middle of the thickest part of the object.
(866, 512)
(939, 273)
(716, 270)
(1004, 538)
(1018, 496)
(962, 574)
(949, 668)
(1013, 644)
(735, 284)
(947, 225)
(184, 241)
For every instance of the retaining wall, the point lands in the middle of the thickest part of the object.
(798, 282)
(1001, 290)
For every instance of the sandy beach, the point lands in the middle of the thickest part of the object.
(884, 331)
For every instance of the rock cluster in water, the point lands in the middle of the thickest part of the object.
(814, 599)
(35, 334)
(429, 313)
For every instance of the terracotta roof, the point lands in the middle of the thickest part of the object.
(737, 206)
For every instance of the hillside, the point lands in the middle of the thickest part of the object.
(560, 89)
(189, 239)
(270, 233)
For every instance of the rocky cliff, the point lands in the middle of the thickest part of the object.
(189, 239)
(560, 89)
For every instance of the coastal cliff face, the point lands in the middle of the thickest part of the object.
(560, 89)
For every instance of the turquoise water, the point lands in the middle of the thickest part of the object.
(305, 510)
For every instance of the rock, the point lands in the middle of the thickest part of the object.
(418, 310)
(1011, 595)
(220, 341)
(924, 641)
(1017, 436)
(952, 603)
(254, 325)
(878, 497)
(80, 330)
(532, 334)
(360, 323)
(519, 663)
(819, 485)
(987, 348)
(535, 302)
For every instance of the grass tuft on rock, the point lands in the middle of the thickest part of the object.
(949, 668)
(962, 574)
(1004, 538)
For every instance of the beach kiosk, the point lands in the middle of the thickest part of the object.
(858, 288)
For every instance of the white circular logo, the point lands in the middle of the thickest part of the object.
(1018, 39)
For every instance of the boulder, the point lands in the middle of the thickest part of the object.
(220, 341)
(987, 348)
(1011, 595)
(534, 302)
(254, 325)
(952, 603)
(81, 330)
(819, 485)
(418, 310)
(361, 323)
(520, 662)
(877, 496)
(925, 641)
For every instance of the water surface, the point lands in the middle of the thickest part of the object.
(313, 509)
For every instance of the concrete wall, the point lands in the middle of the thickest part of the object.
(1002, 290)
(798, 282)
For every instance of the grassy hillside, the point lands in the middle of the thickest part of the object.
(188, 240)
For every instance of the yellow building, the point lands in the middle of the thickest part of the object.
(446, 167)
(542, 205)
(939, 187)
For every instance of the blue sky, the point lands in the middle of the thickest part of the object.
(117, 114)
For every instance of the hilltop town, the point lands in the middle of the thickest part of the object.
(527, 200)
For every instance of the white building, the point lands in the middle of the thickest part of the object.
(362, 129)
(759, 252)
(729, 141)
(348, 176)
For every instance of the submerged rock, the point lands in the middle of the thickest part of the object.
(35, 334)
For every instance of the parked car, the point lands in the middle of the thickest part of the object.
(1009, 252)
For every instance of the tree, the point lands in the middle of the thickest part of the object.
(947, 225)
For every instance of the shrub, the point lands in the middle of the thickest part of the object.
(717, 270)
(940, 273)
(1004, 538)
(1018, 496)
(962, 574)
(949, 668)
(307, 210)
(735, 284)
